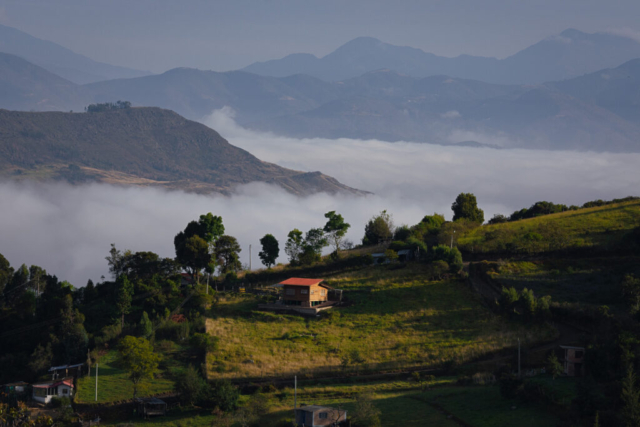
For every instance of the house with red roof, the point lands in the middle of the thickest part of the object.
(304, 292)
(305, 296)
(43, 392)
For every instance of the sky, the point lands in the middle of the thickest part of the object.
(68, 229)
(221, 35)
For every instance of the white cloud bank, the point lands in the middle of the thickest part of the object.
(67, 229)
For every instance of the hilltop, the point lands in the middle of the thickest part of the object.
(599, 229)
(138, 146)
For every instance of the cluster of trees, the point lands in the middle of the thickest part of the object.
(204, 246)
(524, 305)
(107, 106)
(431, 240)
(306, 248)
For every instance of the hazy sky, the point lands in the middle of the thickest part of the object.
(158, 35)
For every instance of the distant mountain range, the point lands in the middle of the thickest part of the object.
(597, 111)
(569, 54)
(60, 60)
(25, 86)
(138, 146)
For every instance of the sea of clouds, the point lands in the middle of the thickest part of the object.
(68, 229)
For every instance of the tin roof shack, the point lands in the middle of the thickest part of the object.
(45, 391)
(314, 415)
(304, 292)
(151, 406)
(573, 360)
(65, 371)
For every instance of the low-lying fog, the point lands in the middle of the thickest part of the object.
(68, 229)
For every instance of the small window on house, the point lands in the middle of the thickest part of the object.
(323, 292)
(323, 415)
(65, 391)
(304, 291)
(291, 291)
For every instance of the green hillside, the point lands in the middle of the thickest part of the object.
(603, 228)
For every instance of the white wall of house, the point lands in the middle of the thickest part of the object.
(45, 394)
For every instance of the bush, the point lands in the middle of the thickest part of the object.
(165, 346)
(451, 256)
(108, 334)
(204, 342)
(173, 331)
(365, 414)
(190, 386)
(437, 270)
(220, 394)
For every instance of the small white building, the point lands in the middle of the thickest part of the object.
(45, 391)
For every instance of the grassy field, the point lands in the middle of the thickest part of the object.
(603, 227)
(114, 384)
(401, 404)
(393, 320)
(586, 280)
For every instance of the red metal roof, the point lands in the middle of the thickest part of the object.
(297, 281)
(67, 382)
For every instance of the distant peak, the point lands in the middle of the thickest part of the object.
(360, 42)
(572, 33)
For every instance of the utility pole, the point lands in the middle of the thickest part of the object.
(249, 257)
(519, 376)
(295, 393)
(96, 382)
(454, 232)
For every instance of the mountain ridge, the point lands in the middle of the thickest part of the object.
(59, 59)
(148, 145)
(568, 54)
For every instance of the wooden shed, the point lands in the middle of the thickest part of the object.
(304, 292)
(314, 415)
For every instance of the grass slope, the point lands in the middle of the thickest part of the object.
(394, 320)
(601, 228)
(401, 404)
(114, 384)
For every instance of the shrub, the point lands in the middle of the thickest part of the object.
(190, 386)
(220, 394)
(365, 414)
(173, 331)
(204, 342)
(451, 256)
(165, 346)
(437, 269)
